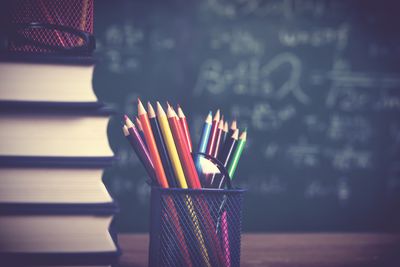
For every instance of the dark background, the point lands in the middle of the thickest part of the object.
(316, 83)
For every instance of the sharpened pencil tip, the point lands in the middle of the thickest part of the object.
(235, 134)
(233, 125)
(125, 130)
(150, 110)
(180, 113)
(128, 121)
(160, 110)
(217, 116)
(226, 128)
(243, 136)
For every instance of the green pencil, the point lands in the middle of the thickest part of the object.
(236, 155)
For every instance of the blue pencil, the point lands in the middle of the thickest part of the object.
(205, 134)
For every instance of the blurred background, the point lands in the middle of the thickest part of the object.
(316, 83)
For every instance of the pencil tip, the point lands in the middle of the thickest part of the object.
(180, 112)
(235, 134)
(226, 126)
(128, 121)
(234, 125)
(243, 136)
(150, 110)
(125, 130)
(217, 115)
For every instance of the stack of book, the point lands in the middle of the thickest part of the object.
(54, 207)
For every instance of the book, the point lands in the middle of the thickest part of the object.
(61, 234)
(41, 78)
(54, 134)
(35, 233)
(52, 185)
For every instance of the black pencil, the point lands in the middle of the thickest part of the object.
(226, 154)
(155, 127)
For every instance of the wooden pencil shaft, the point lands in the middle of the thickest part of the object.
(184, 154)
(152, 147)
(171, 147)
(204, 137)
(142, 154)
(163, 152)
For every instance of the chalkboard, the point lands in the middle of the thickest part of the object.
(317, 83)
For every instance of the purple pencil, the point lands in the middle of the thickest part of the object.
(132, 134)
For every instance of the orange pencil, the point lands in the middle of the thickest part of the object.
(151, 146)
(185, 127)
(183, 151)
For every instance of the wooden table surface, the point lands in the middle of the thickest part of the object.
(297, 250)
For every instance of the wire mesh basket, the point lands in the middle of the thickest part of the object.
(195, 227)
(49, 26)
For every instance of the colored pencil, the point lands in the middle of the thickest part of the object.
(215, 244)
(140, 128)
(213, 133)
(223, 139)
(169, 172)
(226, 155)
(233, 162)
(171, 147)
(218, 138)
(185, 156)
(151, 146)
(188, 164)
(169, 140)
(227, 152)
(163, 182)
(132, 135)
(232, 128)
(185, 128)
(205, 134)
(225, 239)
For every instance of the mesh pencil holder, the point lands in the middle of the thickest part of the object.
(56, 26)
(195, 227)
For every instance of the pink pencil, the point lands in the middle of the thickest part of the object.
(225, 239)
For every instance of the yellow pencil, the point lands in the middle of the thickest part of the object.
(171, 148)
(177, 166)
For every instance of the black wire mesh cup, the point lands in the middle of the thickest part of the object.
(195, 227)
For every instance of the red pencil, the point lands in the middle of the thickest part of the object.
(185, 127)
(151, 146)
(213, 133)
(184, 155)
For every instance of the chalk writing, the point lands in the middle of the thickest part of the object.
(253, 79)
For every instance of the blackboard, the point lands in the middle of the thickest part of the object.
(316, 83)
